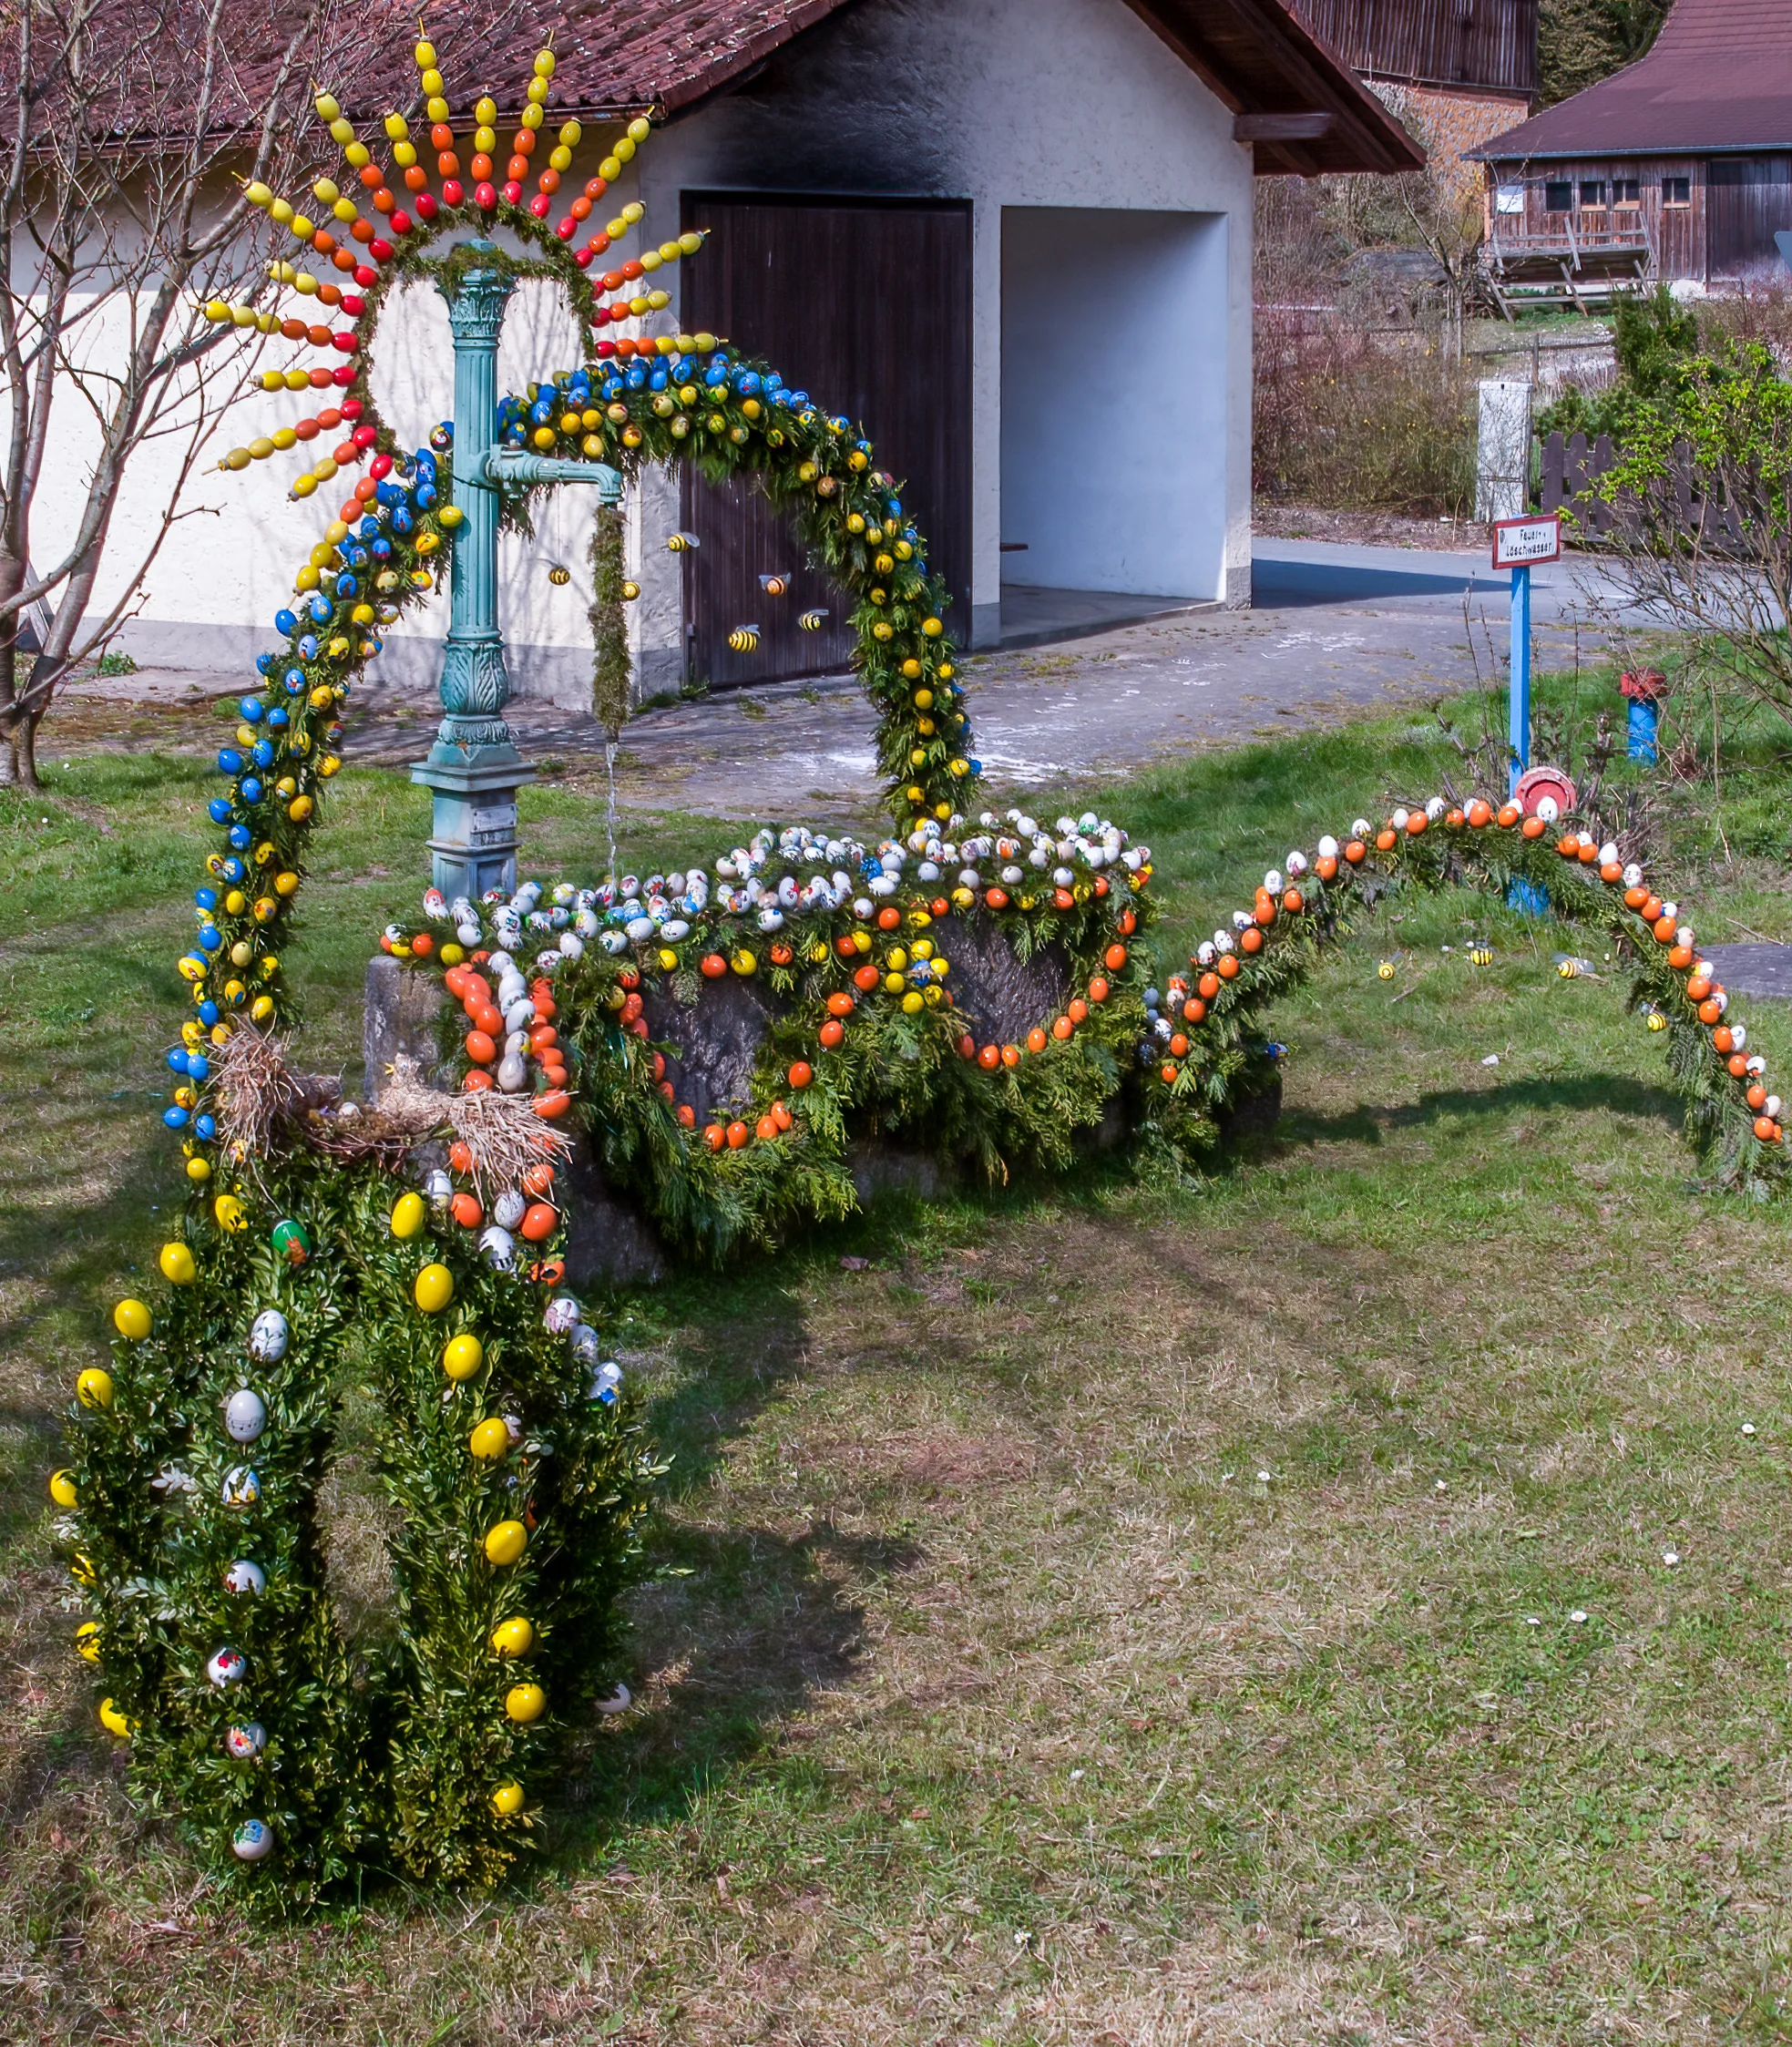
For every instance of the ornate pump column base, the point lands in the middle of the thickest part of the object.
(473, 769)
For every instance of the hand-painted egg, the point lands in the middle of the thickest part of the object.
(245, 1742)
(513, 1073)
(509, 1209)
(514, 1637)
(438, 1188)
(499, 1248)
(561, 1316)
(291, 1242)
(241, 1486)
(619, 1701)
(252, 1841)
(226, 1667)
(269, 1336)
(245, 1416)
(245, 1577)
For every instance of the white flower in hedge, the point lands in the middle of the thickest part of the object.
(1548, 808)
(1434, 809)
(1360, 829)
(1296, 864)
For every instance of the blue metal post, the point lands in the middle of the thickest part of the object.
(473, 767)
(1519, 690)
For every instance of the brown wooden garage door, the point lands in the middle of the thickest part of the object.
(865, 305)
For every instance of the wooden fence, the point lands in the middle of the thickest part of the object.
(1570, 466)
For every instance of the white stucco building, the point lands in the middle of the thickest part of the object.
(1024, 229)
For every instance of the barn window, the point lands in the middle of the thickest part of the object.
(1592, 192)
(1676, 192)
(1558, 198)
(1508, 199)
(1625, 192)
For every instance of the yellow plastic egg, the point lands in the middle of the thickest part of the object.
(198, 1171)
(668, 961)
(490, 1440)
(62, 1488)
(114, 1722)
(514, 1637)
(435, 1288)
(408, 1215)
(94, 1388)
(228, 1212)
(463, 1355)
(744, 962)
(507, 1799)
(86, 1640)
(525, 1703)
(506, 1541)
(177, 1264)
(131, 1318)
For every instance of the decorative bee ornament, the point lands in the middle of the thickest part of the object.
(744, 639)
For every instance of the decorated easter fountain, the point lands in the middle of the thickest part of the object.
(709, 1042)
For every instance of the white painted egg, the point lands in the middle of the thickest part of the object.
(226, 1666)
(252, 1841)
(509, 1209)
(245, 1742)
(241, 1486)
(513, 1073)
(245, 1577)
(572, 947)
(438, 1188)
(269, 1335)
(245, 1416)
(561, 1314)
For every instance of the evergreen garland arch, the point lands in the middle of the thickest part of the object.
(415, 1250)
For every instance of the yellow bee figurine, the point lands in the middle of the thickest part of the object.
(1385, 970)
(1479, 956)
(744, 639)
(560, 575)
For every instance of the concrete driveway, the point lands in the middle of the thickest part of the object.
(1335, 630)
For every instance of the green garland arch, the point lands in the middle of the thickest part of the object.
(512, 1456)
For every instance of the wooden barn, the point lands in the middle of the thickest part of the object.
(1678, 166)
(1461, 71)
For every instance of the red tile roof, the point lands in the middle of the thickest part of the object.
(1719, 79)
(621, 58)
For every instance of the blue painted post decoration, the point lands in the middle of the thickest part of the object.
(473, 768)
(1644, 689)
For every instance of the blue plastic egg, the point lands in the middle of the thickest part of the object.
(209, 1012)
(211, 938)
(308, 648)
(382, 548)
(206, 1127)
(346, 584)
(250, 789)
(426, 495)
(241, 836)
(401, 521)
(249, 709)
(265, 664)
(295, 680)
(176, 1058)
(199, 1067)
(231, 869)
(321, 609)
(175, 1117)
(261, 754)
(279, 717)
(286, 623)
(230, 762)
(207, 898)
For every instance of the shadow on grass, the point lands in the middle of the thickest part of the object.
(1367, 1123)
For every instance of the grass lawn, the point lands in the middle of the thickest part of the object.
(1235, 1612)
